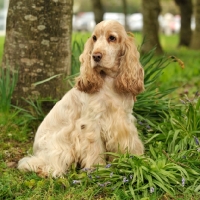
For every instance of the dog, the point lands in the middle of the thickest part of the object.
(95, 116)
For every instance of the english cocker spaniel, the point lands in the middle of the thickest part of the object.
(95, 116)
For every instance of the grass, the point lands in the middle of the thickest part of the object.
(169, 169)
(185, 77)
(7, 85)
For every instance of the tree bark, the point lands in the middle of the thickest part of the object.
(38, 44)
(195, 43)
(98, 10)
(151, 10)
(124, 3)
(186, 14)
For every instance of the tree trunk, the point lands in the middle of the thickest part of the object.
(151, 10)
(98, 10)
(186, 13)
(124, 3)
(38, 44)
(195, 43)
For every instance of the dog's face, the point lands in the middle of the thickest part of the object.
(111, 52)
(106, 49)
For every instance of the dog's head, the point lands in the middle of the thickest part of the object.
(110, 51)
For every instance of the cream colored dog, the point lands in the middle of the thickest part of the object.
(96, 115)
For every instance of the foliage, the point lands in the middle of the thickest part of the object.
(8, 79)
(181, 128)
(109, 6)
(34, 113)
(140, 176)
(77, 49)
(151, 104)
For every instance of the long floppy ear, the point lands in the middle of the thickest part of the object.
(131, 74)
(89, 80)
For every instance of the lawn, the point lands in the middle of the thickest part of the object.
(168, 122)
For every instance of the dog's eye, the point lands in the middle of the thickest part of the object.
(94, 38)
(111, 38)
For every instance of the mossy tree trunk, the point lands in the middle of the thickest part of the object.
(195, 43)
(151, 10)
(38, 44)
(186, 14)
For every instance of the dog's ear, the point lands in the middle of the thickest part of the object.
(131, 74)
(89, 80)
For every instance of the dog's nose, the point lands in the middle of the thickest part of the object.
(97, 57)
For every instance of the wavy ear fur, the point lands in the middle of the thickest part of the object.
(89, 80)
(131, 74)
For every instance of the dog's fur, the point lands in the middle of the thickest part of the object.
(96, 115)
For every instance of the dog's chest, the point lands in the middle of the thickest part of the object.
(106, 105)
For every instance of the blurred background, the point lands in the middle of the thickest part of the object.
(84, 18)
(169, 18)
(3, 15)
(168, 25)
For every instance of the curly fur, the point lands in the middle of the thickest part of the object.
(130, 78)
(95, 116)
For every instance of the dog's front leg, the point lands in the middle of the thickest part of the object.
(90, 148)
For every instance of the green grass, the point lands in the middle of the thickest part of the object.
(2, 39)
(186, 78)
(77, 48)
(170, 130)
(7, 86)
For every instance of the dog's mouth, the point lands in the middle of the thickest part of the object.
(101, 71)
(102, 74)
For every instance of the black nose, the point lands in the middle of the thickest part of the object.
(97, 57)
